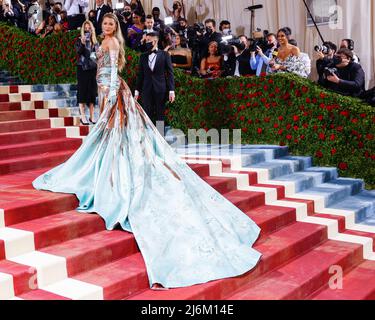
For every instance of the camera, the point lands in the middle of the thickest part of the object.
(228, 42)
(323, 49)
(330, 71)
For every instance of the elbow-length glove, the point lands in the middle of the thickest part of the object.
(114, 54)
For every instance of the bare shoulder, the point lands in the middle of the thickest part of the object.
(295, 51)
(113, 44)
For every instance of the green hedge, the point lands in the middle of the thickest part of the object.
(282, 109)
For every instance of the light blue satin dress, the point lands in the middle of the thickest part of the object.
(125, 171)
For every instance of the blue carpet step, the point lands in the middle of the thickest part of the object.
(335, 191)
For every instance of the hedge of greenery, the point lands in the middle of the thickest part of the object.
(282, 109)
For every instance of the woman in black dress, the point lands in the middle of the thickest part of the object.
(86, 71)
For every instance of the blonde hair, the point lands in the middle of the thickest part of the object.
(94, 41)
(120, 38)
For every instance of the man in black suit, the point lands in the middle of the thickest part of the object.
(101, 10)
(348, 77)
(155, 79)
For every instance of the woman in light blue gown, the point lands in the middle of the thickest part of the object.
(126, 172)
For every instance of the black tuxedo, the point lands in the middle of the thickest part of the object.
(99, 18)
(244, 64)
(154, 86)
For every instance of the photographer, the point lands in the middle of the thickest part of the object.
(236, 58)
(85, 46)
(225, 28)
(344, 75)
(194, 38)
(349, 44)
(260, 62)
(324, 54)
(182, 27)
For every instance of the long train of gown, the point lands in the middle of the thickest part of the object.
(125, 171)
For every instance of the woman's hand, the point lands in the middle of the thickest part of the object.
(276, 67)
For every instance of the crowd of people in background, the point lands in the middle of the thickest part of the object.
(205, 50)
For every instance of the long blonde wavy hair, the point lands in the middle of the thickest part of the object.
(120, 38)
(94, 41)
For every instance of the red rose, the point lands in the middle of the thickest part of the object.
(260, 130)
(322, 95)
(333, 152)
(370, 137)
(276, 126)
(281, 118)
(345, 113)
(244, 130)
(333, 137)
(320, 118)
(340, 129)
(343, 166)
(319, 154)
(322, 136)
(295, 118)
(289, 137)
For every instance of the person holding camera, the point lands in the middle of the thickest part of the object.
(85, 46)
(236, 58)
(349, 44)
(324, 55)
(260, 61)
(344, 75)
(225, 28)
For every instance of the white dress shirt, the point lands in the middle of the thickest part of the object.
(72, 6)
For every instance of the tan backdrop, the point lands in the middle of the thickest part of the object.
(357, 22)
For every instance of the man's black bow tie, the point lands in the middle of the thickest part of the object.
(153, 51)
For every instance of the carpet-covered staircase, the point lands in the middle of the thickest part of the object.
(317, 236)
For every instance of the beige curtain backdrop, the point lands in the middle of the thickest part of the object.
(358, 18)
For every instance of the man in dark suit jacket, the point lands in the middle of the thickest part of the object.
(155, 79)
(101, 10)
(348, 78)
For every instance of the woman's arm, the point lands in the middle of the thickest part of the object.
(114, 50)
(167, 10)
(203, 70)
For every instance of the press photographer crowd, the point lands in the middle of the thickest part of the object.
(207, 50)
